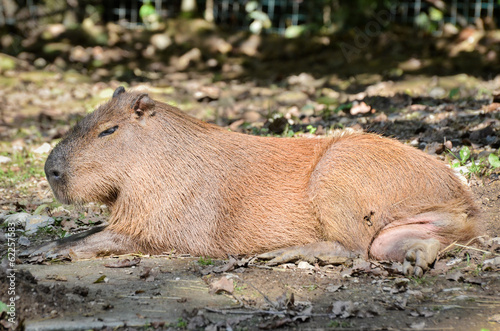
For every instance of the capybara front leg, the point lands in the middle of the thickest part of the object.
(88, 244)
(325, 252)
(412, 244)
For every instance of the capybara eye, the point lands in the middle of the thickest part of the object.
(108, 131)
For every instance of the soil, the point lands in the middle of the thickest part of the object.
(435, 114)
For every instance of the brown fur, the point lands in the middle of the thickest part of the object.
(173, 182)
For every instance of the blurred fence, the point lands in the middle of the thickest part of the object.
(281, 14)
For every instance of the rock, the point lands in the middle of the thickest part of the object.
(360, 108)
(437, 93)
(483, 136)
(23, 241)
(53, 31)
(304, 265)
(7, 62)
(183, 62)
(161, 41)
(33, 223)
(251, 116)
(411, 65)
(40, 63)
(491, 264)
(80, 54)
(250, 47)
(5, 159)
(292, 98)
(420, 325)
(217, 44)
(305, 79)
(19, 220)
(223, 284)
(43, 149)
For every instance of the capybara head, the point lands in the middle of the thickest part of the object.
(107, 149)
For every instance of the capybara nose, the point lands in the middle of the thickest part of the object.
(54, 174)
(53, 171)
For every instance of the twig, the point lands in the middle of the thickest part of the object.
(476, 249)
(265, 297)
(245, 312)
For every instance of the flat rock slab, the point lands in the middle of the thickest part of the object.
(124, 298)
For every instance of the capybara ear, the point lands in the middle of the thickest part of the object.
(143, 104)
(118, 91)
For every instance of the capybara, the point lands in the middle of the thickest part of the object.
(173, 182)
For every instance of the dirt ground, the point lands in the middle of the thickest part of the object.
(461, 292)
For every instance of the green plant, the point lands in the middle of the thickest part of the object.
(181, 323)
(454, 92)
(310, 287)
(205, 261)
(311, 129)
(494, 161)
(339, 324)
(3, 307)
(479, 167)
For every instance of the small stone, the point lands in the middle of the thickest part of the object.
(212, 63)
(5, 159)
(18, 220)
(333, 288)
(462, 298)
(24, 241)
(44, 149)
(161, 41)
(186, 59)
(304, 265)
(418, 325)
(360, 108)
(491, 264)
(437, 93)
(251, 116)
(40, 63)
(33, 223)
(292, 98)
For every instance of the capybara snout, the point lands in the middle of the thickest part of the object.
(176, 183)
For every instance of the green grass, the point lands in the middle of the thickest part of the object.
(205, 261)
(24, 166)
(339, 324)
(479, 167)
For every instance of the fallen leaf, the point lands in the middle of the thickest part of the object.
(275, 323)
(102, 279)
(149, 274)
(417, 325)
(58, 278)
(223, 284)
(360, 108)
(69, 225)
(455, 276)
(125, 263)
(494, 318)
(343, 309)
(334, 288)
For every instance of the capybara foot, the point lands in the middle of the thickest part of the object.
(420, 254)
(324, 252)
(85, 245)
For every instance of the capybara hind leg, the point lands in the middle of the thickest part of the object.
(420, 254)
(416, 245)
(96, 242)
(325, 252)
